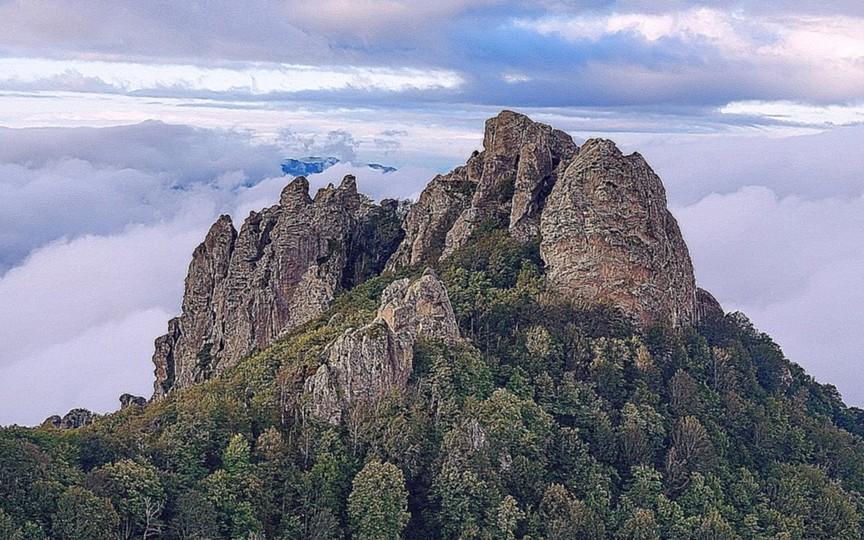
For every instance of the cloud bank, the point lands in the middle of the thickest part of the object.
(795, 266)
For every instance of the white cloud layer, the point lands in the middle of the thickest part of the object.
(78, 318)
(98, 229)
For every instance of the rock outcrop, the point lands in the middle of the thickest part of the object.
(600, 218)
(74, 419)
(707, 307)
(282, 269)
(521, 162)
(128, 400)
(365, 364)
(505, 184)
(433, 215)
(606, 236)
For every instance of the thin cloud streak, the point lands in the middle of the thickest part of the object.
(251, 79)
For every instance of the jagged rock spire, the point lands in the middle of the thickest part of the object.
(282, 269)
(506, 183)
(599, 216)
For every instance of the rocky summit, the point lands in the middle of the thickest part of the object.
(599, 217)
(282, 269)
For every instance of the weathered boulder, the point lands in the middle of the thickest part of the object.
(77, 418)
(419, 308)
(128, 400)
(360, 367)
(282, 269)
(366, 364)
(52, 421)
(607, 237)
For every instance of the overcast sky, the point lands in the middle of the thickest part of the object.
(126, 127)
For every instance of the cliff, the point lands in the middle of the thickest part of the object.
(364, 365)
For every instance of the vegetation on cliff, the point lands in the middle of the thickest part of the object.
(550, 420)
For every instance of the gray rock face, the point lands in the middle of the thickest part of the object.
(282, 269)
(606, 236)
(419, 308)
(601, 219)
(433, 215)
(364, 365)
(521, 162)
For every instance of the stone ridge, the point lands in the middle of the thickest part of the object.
(282, 269)
(598, 216)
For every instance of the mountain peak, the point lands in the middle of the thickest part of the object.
(283, 268)
(598, 216)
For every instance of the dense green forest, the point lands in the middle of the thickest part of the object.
(553, 421)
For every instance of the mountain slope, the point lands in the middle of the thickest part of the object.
(468, 392)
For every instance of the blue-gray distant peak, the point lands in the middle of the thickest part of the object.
(314, 164)
(383, 168)
(307, 165)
